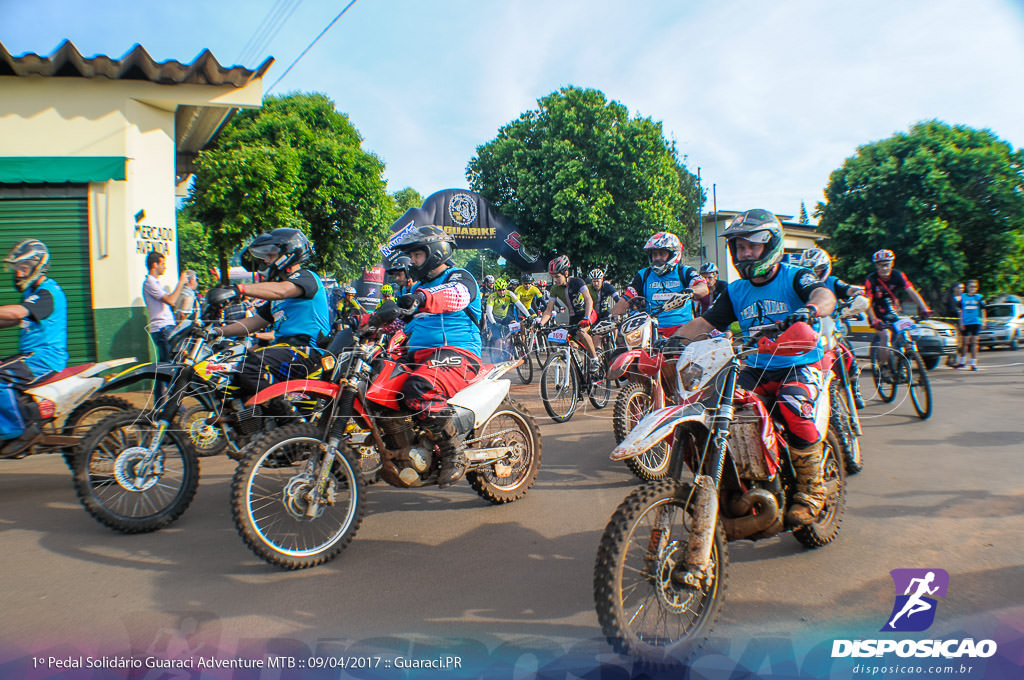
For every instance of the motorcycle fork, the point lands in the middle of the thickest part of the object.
(168, 411)
(704, 497)
(848, 391)
(340, 413)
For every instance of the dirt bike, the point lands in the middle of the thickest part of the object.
(904, 366)
(565, 380)
(137, 470)
(844, 416)
(67, 395)
(650, 386)
(298, 495)
(661, 569)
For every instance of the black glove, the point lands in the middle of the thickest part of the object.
(208, 333)
(410, 302)
(805, 314)
(385, 314)
(688, 291)
(218, 296)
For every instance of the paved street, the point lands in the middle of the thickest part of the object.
(445, 571)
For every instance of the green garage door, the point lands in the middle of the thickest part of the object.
(62, 224)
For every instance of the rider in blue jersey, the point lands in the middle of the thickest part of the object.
(663, 280)
(42, 346)
(770, 291)
(296, 308)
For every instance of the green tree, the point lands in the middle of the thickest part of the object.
(295, 162)
(803, 219)
(404, 199)
(948, 200)
(195, 250)
(578, 176)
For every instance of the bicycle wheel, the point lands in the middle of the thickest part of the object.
(885, 385)
(559, 387)
(525, 369)
(920, 388)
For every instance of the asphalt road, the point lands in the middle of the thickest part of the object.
(443, 572)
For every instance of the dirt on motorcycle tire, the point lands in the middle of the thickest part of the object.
(840, 420)
(498, 495)
(824, 530)
(607, 581)
(622, 427)
(104, 402)
(134, 525)
(251, 455)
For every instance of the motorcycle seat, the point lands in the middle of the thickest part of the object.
(66, 373)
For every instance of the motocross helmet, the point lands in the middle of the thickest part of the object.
(559, 265)
(883, 256)
(438, 245)
(595, 274)
(30, 252)
(708, 268)
(818, 261)
(387, 289)
(398, 262)
(757, 226)
(542, 284)
(664, 240)
(287, 247)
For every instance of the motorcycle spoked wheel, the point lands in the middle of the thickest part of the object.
(207, 440)
(511, 425)
(826, 527)
(632, 404)
(559, 387)
(841, 419)
(87, 414)
(268, 498)
(119, 494)
(642, 611)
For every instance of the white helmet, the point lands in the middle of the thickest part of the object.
(665, 240)
(818, 261)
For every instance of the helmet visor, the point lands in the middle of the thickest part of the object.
(265, 252)
(756, 236)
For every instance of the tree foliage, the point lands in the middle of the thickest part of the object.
(948, 200)
(578, 176)
(195, 250)
(295, 162)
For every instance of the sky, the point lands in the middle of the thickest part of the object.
(765, 98)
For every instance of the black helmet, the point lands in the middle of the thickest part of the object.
(759, 226)
(397, 262)
(32, 252)
(288, 247)
(438, 245)
(527, 278)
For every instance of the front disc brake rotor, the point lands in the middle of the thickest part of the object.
(130, 474)
(674, 597)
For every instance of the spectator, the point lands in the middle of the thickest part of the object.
(972, 320)
(188, 299)
(160, 305)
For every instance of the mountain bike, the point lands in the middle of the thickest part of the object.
(904, 366)
(565, 380)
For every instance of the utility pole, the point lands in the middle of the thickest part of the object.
(714, 196)
(700, 224)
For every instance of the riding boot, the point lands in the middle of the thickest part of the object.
(441, 428)
(810, 485)
(858, 400)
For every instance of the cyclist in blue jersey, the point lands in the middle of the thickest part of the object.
(42, 345)
(444, 343)
(971, 310)
(770, 291)
(820, 262)
(295, 307)
(663, 280)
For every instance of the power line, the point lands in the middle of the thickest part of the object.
(310, 46)
(259, 30)
(267, 33)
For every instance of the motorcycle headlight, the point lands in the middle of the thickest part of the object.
(634, 338)
(690, 376)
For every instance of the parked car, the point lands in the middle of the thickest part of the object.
(935, 339)
(1005, 325)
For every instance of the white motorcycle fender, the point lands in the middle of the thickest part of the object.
(71, 391)
(656, 426)
(482, 398)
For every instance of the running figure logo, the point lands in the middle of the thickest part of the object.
(914, 610)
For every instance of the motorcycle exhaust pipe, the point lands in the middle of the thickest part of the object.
(746, 524)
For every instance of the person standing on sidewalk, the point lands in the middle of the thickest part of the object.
(160, 305)
(972, 320)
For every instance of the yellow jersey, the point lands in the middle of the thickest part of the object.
(527, 294)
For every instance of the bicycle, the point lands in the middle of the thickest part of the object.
(898, 370)
(565, 380)
(524, 340)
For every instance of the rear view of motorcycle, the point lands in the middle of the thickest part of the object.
(662, 566)
(298, 495)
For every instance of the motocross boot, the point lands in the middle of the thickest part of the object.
(858, 400)
(441, 428)
(810, 485)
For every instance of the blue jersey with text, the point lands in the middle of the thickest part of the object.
(656, 289)
(300, 316)
(46, 340)
(761, 305)
(448, 329)
(970, 309)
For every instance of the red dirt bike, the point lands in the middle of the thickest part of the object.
(661, 569)
(298, 494)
